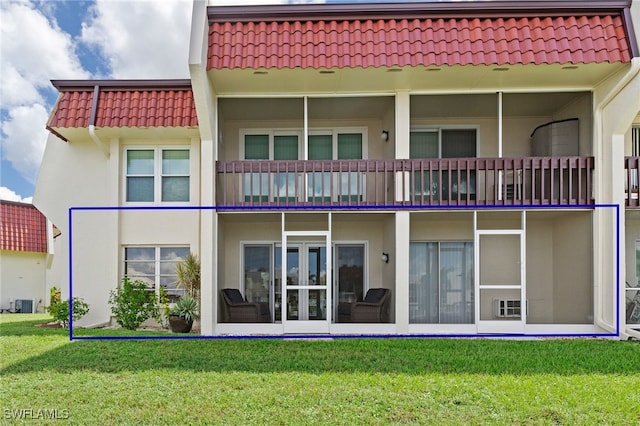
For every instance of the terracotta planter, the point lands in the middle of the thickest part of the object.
(177, 324)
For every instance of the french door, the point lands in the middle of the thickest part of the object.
(500, 281)
(306, 291)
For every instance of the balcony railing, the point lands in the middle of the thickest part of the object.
(632, 173)
(426, 182)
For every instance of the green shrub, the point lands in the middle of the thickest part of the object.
(60, 310)
(132, 304)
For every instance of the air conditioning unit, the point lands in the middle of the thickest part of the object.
(24, 306)
(508, 308)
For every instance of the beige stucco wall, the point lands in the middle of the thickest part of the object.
(573, 269)
(73, 175)
(581, 108)
(78, 174)
(539, 276)
(559, 267)
(23, 276)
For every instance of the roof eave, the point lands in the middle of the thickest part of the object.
(86, 85)
(415, 10)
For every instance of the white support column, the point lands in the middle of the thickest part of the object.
(617, 102)
(499, 124)
(403, 124)
(402, 233)
(207, 109)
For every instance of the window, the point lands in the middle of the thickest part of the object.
(335, 145)
(350, 278)
(443, 143)
(441, 283)
(157, 174)
(270, 146)
(156, 266)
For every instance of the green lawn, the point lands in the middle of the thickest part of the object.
(342, 381)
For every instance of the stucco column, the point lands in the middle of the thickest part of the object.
(617, 104)
(402, 271)
(403, 123)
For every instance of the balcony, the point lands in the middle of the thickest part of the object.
(526, 181)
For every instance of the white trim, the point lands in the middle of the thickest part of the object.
(311, 95)
(508, 325)
(412, 92)
(444, 329)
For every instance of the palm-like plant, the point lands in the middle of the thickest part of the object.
(187, 308)
(188, 275)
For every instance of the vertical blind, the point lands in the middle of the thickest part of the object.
(441, 283)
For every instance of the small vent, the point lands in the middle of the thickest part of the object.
(507, 308)
(24, 306)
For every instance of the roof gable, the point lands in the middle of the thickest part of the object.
(447, 38)
(22, 228)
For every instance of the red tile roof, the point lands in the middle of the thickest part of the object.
(22, 228)
(123, 106)
(351, 43)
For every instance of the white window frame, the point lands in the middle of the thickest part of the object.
(272, 133)
(157, 262)
(157, 173)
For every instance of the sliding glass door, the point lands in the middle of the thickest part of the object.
(441, 283)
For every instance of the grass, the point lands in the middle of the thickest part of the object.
(342, 381)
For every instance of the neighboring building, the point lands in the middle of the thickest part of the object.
(453, 153)
(26, 242)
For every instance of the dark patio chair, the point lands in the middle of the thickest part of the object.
(374, 307)
(236, 309)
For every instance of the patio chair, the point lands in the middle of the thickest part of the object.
(374, 307)
(236, 309)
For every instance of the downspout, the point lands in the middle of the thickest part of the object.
(622, 83)
(92, 121)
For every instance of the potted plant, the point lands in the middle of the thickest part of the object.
(188, 278)
(183, 314)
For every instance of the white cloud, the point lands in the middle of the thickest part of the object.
(34, 50)
(25, 139)
(8, 195)
(141, 39)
